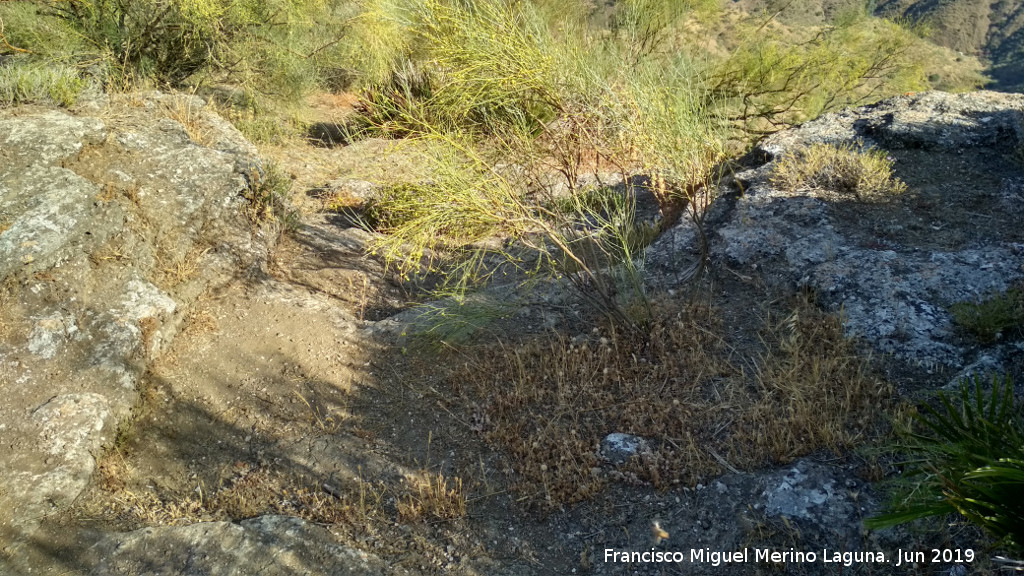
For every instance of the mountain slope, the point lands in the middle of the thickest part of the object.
(990, 29)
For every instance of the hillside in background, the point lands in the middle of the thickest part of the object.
(992, 30)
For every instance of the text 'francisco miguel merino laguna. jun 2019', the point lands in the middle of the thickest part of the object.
(791, 556)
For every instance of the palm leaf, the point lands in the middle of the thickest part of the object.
(969, 459)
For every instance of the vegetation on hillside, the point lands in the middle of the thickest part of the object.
(545, 402)
(514, 101)
(507, 103)
(990, 30)
(992, 318)
(843, 169)
(265, 54)
(979, 36)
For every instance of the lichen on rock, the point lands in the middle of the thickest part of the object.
(111, 226)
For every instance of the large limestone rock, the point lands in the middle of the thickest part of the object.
(111, 224)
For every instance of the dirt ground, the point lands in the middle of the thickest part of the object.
(274, 399)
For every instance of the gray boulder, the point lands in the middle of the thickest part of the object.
(111, 225)
(618, 448)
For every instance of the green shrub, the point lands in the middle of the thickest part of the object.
(846, 169)
(457, 321)
(456, 210)
(264, 129)
(480, 65)
(510, 98)
(443, 224)
(382, 39)
(395, 108)
(24, 81)
(772, 82)
(462, 202)
(990, 318)
(967, 458)
(280, 47)
(520, 92)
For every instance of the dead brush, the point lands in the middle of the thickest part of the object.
(176, 267)
(247, 492)
(777, 530)
(548, 403)
(110, 252)
(6, 326)
(111, 191)
(199, 322)
(434, 496)
(112, 471)
(813, 390)
(363, 291)
(244, 492)
(360, 510)
(149, 327)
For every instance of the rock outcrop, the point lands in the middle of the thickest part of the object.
(112, 222)
(270, 545)
(893, 267)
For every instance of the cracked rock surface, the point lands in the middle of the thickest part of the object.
(892, 266)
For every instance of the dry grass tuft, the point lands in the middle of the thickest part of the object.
(246, 493)
(358, 511)
(845, 169)
(188, 111)
(434, 496)
(200, 322)
(112, 470)
(363, 292)
(6, 326)
(176, 267)
(325, 420)
(812, 390)
(549, 403)
(148, 327)
(113, 190)
(114, 251)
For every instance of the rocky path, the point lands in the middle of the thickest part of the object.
(276, 403)
(190, 393)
